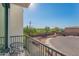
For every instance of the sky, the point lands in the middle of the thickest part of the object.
(52, 15)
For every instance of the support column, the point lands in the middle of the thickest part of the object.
(6, 7)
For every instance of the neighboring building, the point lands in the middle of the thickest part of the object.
(71, 31)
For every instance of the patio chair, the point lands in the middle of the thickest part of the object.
(16, 49)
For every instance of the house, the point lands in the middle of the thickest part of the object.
(71, 31)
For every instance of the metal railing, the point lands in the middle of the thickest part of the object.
(36, 48)
(24, 44)
(17, 47)
(2, 46)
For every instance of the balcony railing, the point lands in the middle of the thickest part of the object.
(2, 45)
(27, 45)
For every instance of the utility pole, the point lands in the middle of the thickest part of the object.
(30, 27)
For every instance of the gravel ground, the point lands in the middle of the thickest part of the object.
(68, 45)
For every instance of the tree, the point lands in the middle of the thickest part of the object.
(47, 29)
(26, 30)
(56, 29)
(33, 31)
(29, 31)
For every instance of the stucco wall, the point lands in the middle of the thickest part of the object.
(15, 20)
(2, 22)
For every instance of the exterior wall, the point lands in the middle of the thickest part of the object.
(2, 21)
(15, 20)
(72, 30)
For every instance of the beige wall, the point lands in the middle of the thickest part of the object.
(15, 20)
(2, 21)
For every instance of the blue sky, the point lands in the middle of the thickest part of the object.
(52, 15)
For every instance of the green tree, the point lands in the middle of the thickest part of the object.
(33, 31)
(26, 30)
(29, 31)
(56, 29)
(47, 29)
